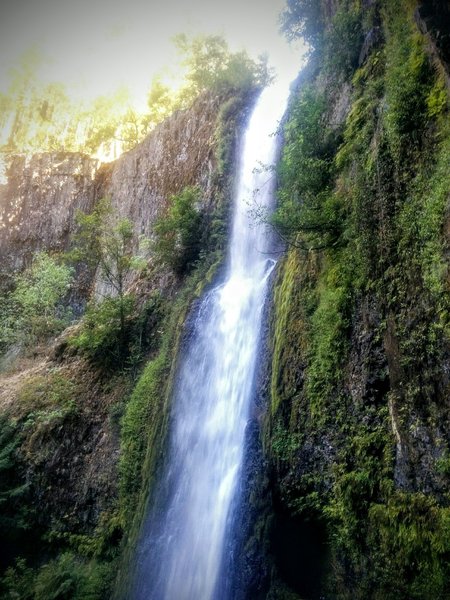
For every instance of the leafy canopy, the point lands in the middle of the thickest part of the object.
(211, 66)
(36, 117)
(302, 19)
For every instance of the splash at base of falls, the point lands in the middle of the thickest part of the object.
(182, 547)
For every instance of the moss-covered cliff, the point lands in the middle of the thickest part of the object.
(358, 426)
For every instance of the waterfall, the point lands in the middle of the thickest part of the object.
(182, 548)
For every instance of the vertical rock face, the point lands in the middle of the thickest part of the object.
(39, 202)
(433, 18)
(43, 192)
(178, 153)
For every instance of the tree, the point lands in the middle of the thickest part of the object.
(34, 309)
(105, 243)
(160, 101)
(35, 116)
(178, 232)
(211, 66)
(303, 19)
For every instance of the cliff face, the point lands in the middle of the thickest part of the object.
(180, 152)
(39, 201)
(358, 428)
(43, 192)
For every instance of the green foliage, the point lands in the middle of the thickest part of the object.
(443, 465)
(421, 221)
(18, 582)
(105, 330)
(12, 488)
(110, 328)
(104, 241)
(161, 102)
(178, 233)
(211, 66)
(303, 19)
(306, 201)
(343, 41)
(138, 423)
(283, 443)
(288, 331)
(65, 578)
(34, 309)
(409, 81)
(307, 150)
(116, 332)
(437, 100)
(414, 532)
(101, 544)
(328, 343)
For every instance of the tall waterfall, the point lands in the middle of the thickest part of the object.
(182, 548)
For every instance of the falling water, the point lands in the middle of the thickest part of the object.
(182, 549)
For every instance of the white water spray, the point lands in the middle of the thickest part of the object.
(182, 551)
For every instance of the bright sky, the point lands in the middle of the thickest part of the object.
(94, 46)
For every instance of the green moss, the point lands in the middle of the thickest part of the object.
(328, 341)
(412, 532)
(437, 100)
(286, 301)
(366, 329)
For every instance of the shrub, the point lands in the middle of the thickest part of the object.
(115, 332)
(307, 204)
(34, 309)
(105, 330)
(178, 233)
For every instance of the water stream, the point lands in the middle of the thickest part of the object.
(182, 549)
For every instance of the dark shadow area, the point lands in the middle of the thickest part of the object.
(435, 19)
(300, 552)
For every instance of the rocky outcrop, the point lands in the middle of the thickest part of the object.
(178, 153)
(43, 192)
(39, 202)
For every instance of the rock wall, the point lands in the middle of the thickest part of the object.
(39, 202)
(358, 426)
(43, 192)
(178, 153)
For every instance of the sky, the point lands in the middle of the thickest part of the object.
(95, 46)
